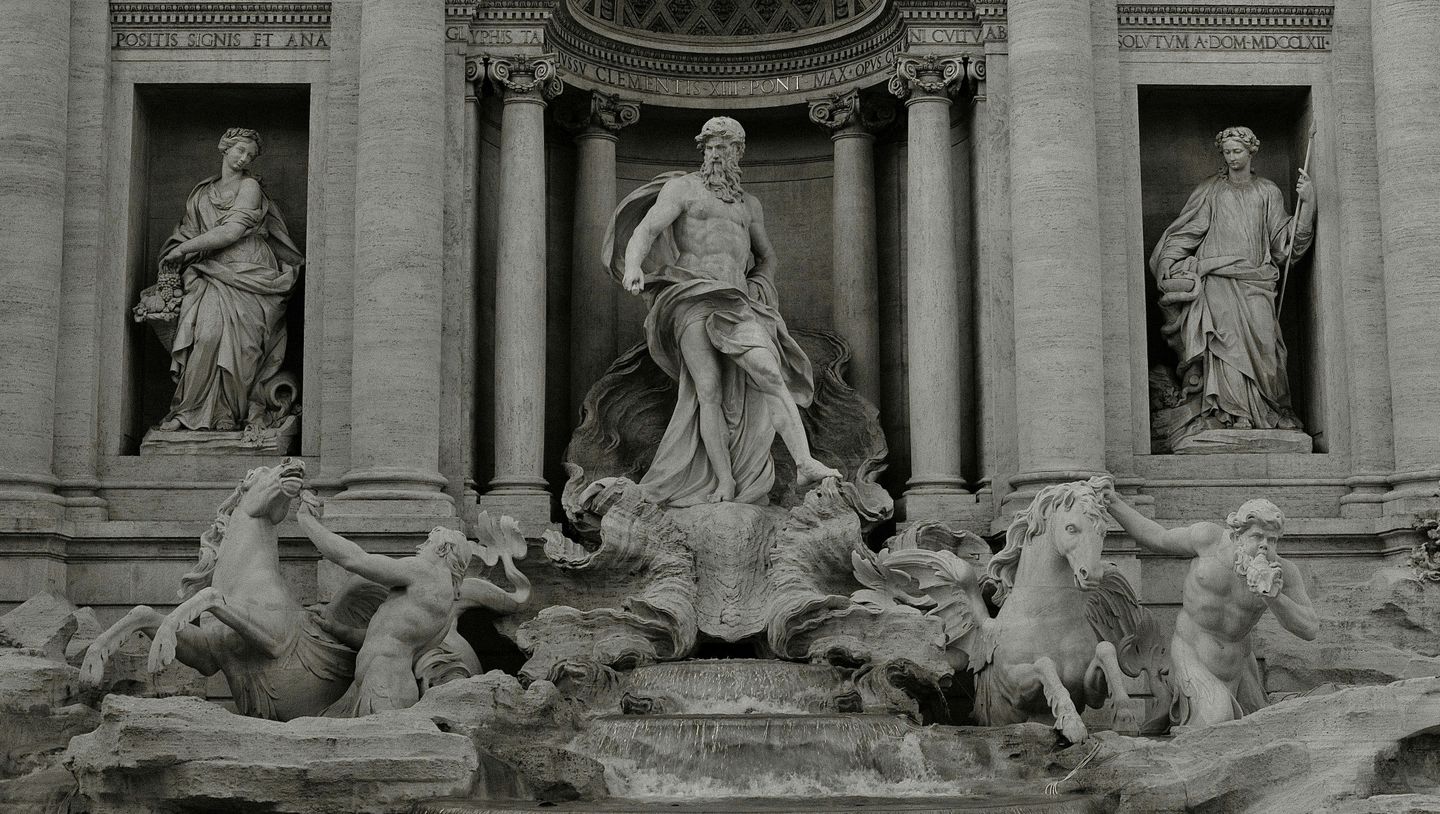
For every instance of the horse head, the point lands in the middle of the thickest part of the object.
(267, 491)
(1068, 518)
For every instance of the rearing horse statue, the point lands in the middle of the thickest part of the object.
(1065, 619)
(279, 661)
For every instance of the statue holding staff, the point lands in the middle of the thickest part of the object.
(1218, 270)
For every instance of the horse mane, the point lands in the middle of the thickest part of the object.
(211, 540)
(1031, 522)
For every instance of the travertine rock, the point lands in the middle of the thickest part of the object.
(153, 754)
(1306, 755)
(1370, 632)
(520, 732)
(43, 622)
(39, 714)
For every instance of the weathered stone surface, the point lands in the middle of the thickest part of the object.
(39, 714)
(519, 734)
(151, 754)
(1306, 755)
(44, 622)
(1370, 632)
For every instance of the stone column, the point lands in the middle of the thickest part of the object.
(35, 61)
(399, 211)
(593, 293)
(1055, 245)
(1407, 129)
(932, 294)
(853, 122)
(518, 487)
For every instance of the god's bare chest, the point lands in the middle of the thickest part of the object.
(705, 208)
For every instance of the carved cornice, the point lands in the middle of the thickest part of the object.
(1192, 28)
(212, 15)
(526, 77)
(844, 113)
(924, 75)
(600, 113)
(460, 11)
(1315, 18)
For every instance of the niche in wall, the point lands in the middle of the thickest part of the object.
(1178, 125)
(177, 131)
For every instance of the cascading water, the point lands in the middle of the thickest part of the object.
(694, 756)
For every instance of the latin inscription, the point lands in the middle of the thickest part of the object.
(495, 36)
(1224, 42)
(619, 79)
(955, 36)
(221, 39)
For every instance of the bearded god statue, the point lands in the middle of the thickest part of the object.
(696, 249)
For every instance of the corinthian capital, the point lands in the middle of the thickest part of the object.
(602, 113)
(526, 76)
(927, 75)
(847, 112)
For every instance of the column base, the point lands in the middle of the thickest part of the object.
(525, 499)
(940, 498)
(29, 497)
(1026, 485)
(1413, 492)
(394, 492)
(1366, 498)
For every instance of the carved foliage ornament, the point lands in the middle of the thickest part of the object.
(609, 111)
(843, 111)
(527, 76)
(601, 113)
(930, 75)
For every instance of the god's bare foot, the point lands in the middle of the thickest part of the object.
(812, 471)
(724, 493)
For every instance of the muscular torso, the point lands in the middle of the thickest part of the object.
(1219, 612)
(713, 236)
(411, 620)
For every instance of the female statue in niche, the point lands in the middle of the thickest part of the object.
(237, 266)
(1218, 270)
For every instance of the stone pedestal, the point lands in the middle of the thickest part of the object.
(399, 210)
(932, 293)
(1055, 244)
(852, 122)
(518, 487)
(593, 293)
(1407, 131)
(1220, 441)
(34, 57)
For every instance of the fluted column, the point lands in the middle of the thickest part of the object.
(34, 59)
(1407, 130)
(399, 211)
(518, 487)
(596, 124)
(932, 294)
(853, 122)
(1055, 244)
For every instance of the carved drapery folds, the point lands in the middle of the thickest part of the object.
(527, 76)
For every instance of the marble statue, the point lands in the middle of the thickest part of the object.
(695, 247)
(1218, 268)
(1235, 575)
(233, 265)
(275, 654)
(1069, 628)
(410, 641)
